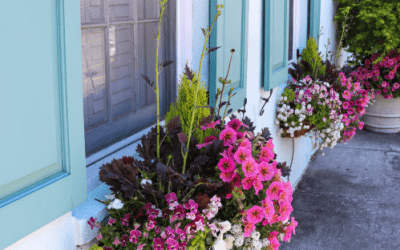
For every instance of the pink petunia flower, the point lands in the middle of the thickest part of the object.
(248, 182)
(141, 246)
(242, 154)
(250, 167)
(248, 229)
(288, 233)
(226, 165)
(227, 177)
(266, 171)
(347, 95)
(237, 181)
(360, 125)
(274, 190)
(246, 143)
(210, 125)
(258, 186)
(268, 206)
(208, 140)
(293, 223)
(234, 124)
(266, 154)
(346, 105)
(255, 214)
(228, 135)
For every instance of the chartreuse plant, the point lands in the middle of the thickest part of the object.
(374, 26)
(184, 106)
(310, 54)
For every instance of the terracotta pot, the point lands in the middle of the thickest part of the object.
(383, 116)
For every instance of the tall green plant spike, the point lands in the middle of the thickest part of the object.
(310, 52)
(184, 106)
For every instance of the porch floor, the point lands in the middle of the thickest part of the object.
(350, 198)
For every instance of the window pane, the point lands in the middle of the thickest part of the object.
(94, 77)
(122, 71)
(147, 59)
(147, 9)
(92, 11)
(120, 10)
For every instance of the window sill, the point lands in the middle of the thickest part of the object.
(97, 189)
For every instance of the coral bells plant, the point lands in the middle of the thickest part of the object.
(383, 76)
(260, 202)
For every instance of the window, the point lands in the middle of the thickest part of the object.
(298, 28)
(118, 45)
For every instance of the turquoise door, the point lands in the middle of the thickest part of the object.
(42, 148)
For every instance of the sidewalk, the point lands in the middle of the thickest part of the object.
(350, 198)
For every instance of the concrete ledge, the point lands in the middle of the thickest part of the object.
(91, 208)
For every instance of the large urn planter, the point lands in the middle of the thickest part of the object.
(383, 116)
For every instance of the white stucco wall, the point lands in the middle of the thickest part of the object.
(62, 233)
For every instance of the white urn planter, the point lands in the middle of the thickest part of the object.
(383, 116)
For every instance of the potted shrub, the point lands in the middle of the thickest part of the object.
(383, 79)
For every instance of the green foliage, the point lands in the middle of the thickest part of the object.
(290, 94)
(372, 25)
(184, 106)
(309, 54)
(198, 242)
(95, 247)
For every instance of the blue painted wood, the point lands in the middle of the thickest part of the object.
(315, 12)
(275, 43)
(230, 32)
(42, 57)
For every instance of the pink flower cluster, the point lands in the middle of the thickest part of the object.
(354, 101)
(382, 77)
(246, 172)
(185, 221)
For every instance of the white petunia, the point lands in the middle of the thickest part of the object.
(239, 241)
(146, 181)
(255, 235)
(116, 204)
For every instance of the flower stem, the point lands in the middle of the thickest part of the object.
(195, 96)
(157, 90)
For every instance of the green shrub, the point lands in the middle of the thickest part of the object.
(310, 53)
(183, 106)
(372, 25)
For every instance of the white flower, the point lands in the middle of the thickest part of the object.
(255, 235)
(277, 121)
(145, 181)
(236, 229)
(293, 123)
(281, 98)
(116, 204)
(110, 197)
(286, 125)
(239, 241)
(256, 245)
(265, 242)
(285, 98)
(280, 237)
